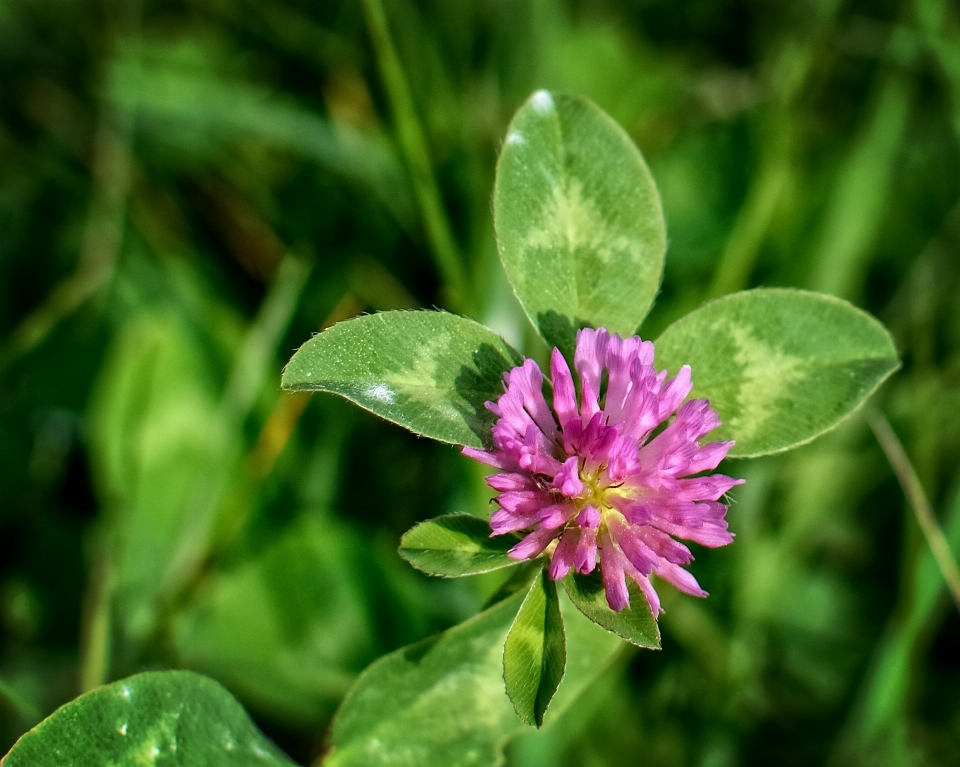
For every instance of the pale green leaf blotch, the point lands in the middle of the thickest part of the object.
(578, 219)
(780, 366)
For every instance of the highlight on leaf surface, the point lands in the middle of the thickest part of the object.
(455, 545)
(780, 366)
(158, 717)
(428, 371)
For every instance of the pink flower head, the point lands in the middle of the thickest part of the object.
(591, 483)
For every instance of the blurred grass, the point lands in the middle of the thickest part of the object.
(186, 197)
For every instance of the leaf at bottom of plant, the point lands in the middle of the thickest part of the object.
(534, 654)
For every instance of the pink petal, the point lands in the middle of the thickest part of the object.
(562, 560)
(496, 459)
(614, 580)
(589, 516)
(665, 547)
(504, 482)
(649, 593)
(523, 501)
(528, 381)
(590, 356)
(709, 457)
(556, 515)
(708, 488)
(567, 480)
(680, 578)
(674, 392)
(564, 393)
(589, 401)
(503, 522)
(585, 557)
(533, 545)
(632, 545)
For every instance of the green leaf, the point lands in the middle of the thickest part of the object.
(263, 627)
(441, 702)
(779, 366)
(535, 653)
(455, 545)
(519, 580)
(174, 718)
(636, 624)
(428, 371)
(578, 219)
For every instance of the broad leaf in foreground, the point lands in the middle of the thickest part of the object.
(578, 219)
(779, 366)
(534, 654)
(635, 623)
(455, 545)
(431, 372)
(174, 718)
(441, 702)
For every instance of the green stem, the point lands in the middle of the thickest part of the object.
(794, 67)
(414, 147)
(98, 622)
(220, 513)
(750, 229)
(259, 346)
(889, 686)
(27, 710)
(913, 490)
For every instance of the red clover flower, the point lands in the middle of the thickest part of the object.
(594, 482)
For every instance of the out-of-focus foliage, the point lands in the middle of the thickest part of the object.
(188, 191)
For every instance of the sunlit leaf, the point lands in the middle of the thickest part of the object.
(534, 654)
(174, 718)
(442, 703)
(636, 624)
(429, 371)
(578, 219)
(779, 366)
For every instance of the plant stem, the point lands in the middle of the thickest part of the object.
(259, 346)
(414, 147)
(27, 710)
(751, 227)
(913, 490)
(98, 620)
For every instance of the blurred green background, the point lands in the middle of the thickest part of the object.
(189, 190)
